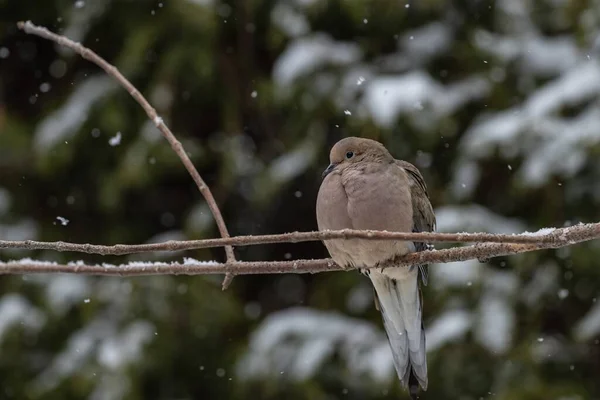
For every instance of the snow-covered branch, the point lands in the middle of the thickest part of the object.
(550, 237)
(480, 251)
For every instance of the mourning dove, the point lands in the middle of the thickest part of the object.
(364, 187)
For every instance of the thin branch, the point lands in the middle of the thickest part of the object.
(555, 237)
(479, 251)
(29, 28)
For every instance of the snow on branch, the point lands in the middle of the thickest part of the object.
(554, 237)
(487, 245)
(480, 251)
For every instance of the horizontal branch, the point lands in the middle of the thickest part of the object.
(554, 237)
(480, 251)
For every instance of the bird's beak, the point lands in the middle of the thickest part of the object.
(328, 170)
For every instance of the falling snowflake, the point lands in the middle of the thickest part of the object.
(63, 221)
(115, 140)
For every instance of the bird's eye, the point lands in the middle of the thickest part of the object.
(349, 155)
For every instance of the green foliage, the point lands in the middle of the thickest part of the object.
(260, 135)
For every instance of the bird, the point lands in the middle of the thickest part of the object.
(364, 187)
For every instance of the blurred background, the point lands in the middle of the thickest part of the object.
(497, 103)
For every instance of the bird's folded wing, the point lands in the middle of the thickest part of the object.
(423, 216)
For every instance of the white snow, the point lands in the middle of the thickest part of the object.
(79, 22)
(575, 86)
(199, 218)
(496, 315)
(66, 291)
(78, 351)
(115, 140)
(149, 133)
(15, 310)
(549, 142)
(455, 274)
(360, 297)
(64, 123)
(21, 230)
(203, 3)
(539, 232)
(118, 351)
(300, 341)
(113, 385)
(549, 348)
(385, 97)
(475, 218)
(496, 323)
(193, 261)
(563, 154)
(534, 53)
(308, 54)
(30, 261)
(292, 22)
(132, 264)
(448, 327)
(353, 81)
(305, 3)
(63, 221)
(424, 43)
(294, 162)
(501, 282)
(466, 177)
(544, 281)
(588, 326)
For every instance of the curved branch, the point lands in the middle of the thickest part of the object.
(29, 28)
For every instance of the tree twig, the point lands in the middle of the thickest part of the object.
(480, 251)
(29, 28)
(555, 237)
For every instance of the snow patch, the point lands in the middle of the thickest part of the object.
(475, 218)
(448, 327)
(64, 123)
(300, 341)
(589, 326)
(307, 54)
(15, 310)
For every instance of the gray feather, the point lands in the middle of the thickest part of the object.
(400, 304)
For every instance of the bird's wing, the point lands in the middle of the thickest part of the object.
(423, 216)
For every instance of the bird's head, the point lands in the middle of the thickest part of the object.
(352, 151)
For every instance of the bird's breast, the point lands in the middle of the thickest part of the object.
(379, 200)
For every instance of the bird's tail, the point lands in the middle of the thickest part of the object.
(400, 302)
